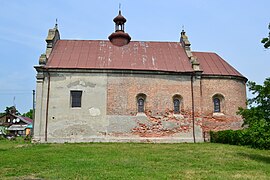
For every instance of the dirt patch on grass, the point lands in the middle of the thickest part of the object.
(23, 145)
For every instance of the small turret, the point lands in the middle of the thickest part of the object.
(119, 37)
(52, 38)
(186, 44)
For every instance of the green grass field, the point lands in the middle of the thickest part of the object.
(20, 160)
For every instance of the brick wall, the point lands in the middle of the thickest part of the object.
(160, 89)
(123, 90)
(234, 92)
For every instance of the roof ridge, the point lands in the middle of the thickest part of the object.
(150, 41)
(204, 52)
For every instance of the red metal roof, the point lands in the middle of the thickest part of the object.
(27, 120)
(100, 54)
(137, 55)
(213, 64)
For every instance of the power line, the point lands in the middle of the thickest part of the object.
(13, 93)
(15, 90)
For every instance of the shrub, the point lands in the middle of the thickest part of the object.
(244, 137)
(228, 137)
(256, 117)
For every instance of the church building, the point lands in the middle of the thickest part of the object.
(119, 90)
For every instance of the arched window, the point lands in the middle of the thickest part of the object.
(216, 104)
(140, 104)
(177, 101)
(176, 105)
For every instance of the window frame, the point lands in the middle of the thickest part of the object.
(176, 107)
(76, 98)
(179, 98)
(141, 107)
(141, 98)
(217, 105)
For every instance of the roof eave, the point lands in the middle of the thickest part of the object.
(217, 76)
(109, 70)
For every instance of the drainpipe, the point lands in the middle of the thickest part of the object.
(33, 114)
(192, 99)
(47, 106)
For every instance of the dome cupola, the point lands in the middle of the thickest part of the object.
(119, 37)
(119, 19)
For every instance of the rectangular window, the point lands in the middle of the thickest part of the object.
(76, 98)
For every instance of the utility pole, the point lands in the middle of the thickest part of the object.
(33, 114)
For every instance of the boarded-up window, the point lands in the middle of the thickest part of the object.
(76, 98)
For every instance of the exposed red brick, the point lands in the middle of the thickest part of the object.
(123, 89)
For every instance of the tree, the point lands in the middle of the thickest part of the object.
(257, 116)
(10, 110)
(3, 130)
(2, 114)
(29, 114)
(266, 41)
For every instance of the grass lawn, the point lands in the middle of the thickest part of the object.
(20, 160)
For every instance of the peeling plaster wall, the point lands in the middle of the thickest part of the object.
(76, 123)
(158, 120)
(70, 124)
(109, 107)
(40, 111)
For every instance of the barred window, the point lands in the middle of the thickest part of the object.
(76, 98)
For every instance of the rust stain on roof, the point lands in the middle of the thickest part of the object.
(137, 55)
(99, 54)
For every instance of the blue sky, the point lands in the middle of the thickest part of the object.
(232, 29)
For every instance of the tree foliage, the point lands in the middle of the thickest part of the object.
(9, 110)
(259, 105)
(266, 41)
(257, 116)
(29, 114)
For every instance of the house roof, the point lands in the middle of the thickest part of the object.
(213, 64)
(99, 54)
(16, 127)
(137, 55)
(24, 119)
